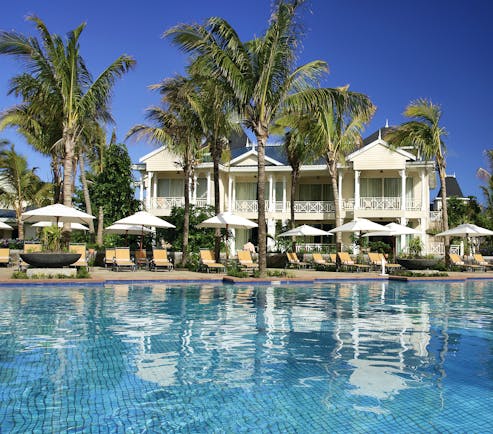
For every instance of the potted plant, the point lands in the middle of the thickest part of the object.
(51, 255)
(414, 260)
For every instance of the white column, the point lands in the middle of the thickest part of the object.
(148, 190)
(208, 188)
(339, 192)
(356, 189)
(424, 235)
(403, 189)
(230, 193)
(194, 194)
(271, 194)
(141, 189)
(424, 202)
(403, 237)
(154, 190)
(271, 230)
(233, 186)
(284, 194)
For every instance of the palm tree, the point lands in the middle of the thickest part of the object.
(336, 131)
(20, 186)
(219, 119)
(424, 132)
(262, 76)
(176, 125)
(63, 85)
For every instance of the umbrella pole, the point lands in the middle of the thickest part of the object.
(227, 245)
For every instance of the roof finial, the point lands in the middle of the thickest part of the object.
(379, 134)
(386, 123)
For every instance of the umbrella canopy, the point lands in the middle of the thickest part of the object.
(304, 230)
(227, 220)
(360, 225)
(73, 226)
(56, 213)
(466, 230)
(394, 230)
(5, 226)
(143, 218)
(127, 229)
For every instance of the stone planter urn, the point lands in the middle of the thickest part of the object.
(50, 259)
(418, 263)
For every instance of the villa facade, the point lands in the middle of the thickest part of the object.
(375, 182)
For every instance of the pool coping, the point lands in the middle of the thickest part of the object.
(229, 280)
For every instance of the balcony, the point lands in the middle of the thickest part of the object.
(388, 203)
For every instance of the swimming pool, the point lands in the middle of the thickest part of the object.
(342, 357)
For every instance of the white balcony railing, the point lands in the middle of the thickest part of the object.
(435, 216)
(382, 203)
(413, 204)
(167, 202)
(314, 207)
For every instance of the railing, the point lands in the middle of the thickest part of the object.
(201, 202)
(167, 202)
(248, 206)
(315, 247)
(348, 204)
(383, 203)
(413, 204)
(314, 207)
(435, 216)
(434, 248)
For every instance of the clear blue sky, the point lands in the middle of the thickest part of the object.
(393, 51)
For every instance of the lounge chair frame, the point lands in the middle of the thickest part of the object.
(122, 259)
(245, 260)
(208, 262)
(160, 260)
(456, 261)
(294, 262)
(348, 264)
(5, 256)
(80, 249)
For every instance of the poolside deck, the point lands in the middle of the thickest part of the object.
(103, 275)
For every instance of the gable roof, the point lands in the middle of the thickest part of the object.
(270, 157)
(452, 186)
(375, 139)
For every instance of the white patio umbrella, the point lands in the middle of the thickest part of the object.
(360, 225)
(394, 230)
(304, 231)
(227, 220)
(467, 230)
(6, 226)
(127, 229)
(144, 219)
(56, 213)
(73, 226)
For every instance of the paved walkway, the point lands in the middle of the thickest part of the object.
(104, 275)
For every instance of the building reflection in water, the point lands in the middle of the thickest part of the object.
(361, 335)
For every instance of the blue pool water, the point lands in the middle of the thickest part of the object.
(343, 357)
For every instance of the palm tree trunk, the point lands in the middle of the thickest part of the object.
(99, 236)
(217, 208)
(295, 173)
(337, 209)
(20, 225)
(441, 172)
(85, 190)
(55, 169)
(186, 216)
(262, 229)
(68, 176)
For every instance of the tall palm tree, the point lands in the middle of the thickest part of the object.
(214, 106)
(176, 125)
(336, 131)
(425, 133)
(66, 85)
(20, 186)
(261, 74)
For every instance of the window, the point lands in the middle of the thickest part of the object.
(170, 188)
(246, 191)
(201, 188)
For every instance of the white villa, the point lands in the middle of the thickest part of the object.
(376, 182)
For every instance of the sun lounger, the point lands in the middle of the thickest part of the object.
(141, 259)
(5, 256)
(456, 261)
(122, 259)
(376, 262)
(294, 262)
(245, 260)
(109, 256)
(479, 260)
(80, 249)
(207, 261)
(319, 261)
(160, 260)
(349, 264)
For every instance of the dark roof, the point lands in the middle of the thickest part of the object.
(238, 140)
(374, 136)
(452, 186)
